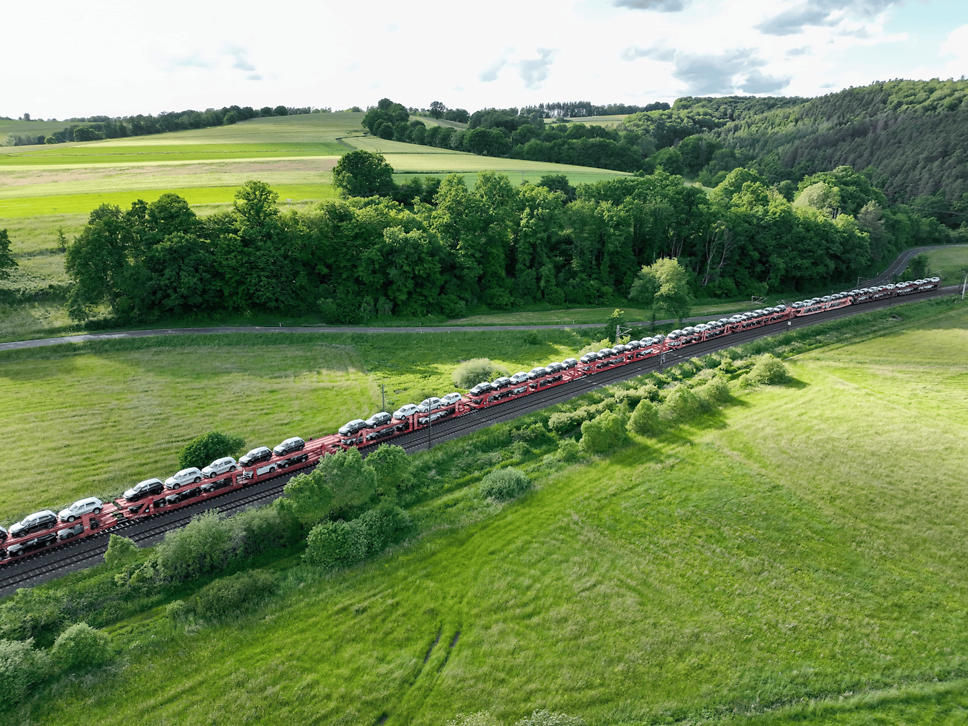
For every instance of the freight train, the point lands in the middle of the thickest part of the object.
(88, 517)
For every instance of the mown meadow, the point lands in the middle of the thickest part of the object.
(795, 556)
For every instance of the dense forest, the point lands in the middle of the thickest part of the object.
(494, 246)
(913, 134)
(632, 146)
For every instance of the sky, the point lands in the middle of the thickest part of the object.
(125, 57)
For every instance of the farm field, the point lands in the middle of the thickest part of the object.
(950, 264)
(804, 545)
(106, 415)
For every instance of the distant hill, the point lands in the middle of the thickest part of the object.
(913, 133)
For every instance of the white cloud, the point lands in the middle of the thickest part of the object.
(635, 51)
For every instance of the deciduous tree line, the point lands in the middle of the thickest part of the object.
(495, 245)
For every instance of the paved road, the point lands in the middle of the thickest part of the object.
(896, 268)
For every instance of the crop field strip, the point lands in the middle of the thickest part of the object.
(46, 565)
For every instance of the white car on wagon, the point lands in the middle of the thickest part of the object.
(191, 475)
(220, 466)
(91, 505)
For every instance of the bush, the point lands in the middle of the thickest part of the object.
(768, 370)
(234, 594)
(568, 451)
(120, 551)
(651, 392)
(713, 392)
(20, 668)
(605, 433)
(681, 404)
(534, 435)
(329, 544)
(378, 528)
(469, 373)
(645, 419)
(339, 544)
(197, 549)
(81, 647)
(205, 449)
(504, 484)
(177, 612)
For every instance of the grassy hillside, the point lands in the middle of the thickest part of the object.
(803, 545)
(914, 133)
(47, 188)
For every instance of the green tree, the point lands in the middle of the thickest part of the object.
(392, 468)
(203, 450)
(7, 262)
(559, 183)
(98, 259)
(604, 433)
(363, 174)
(120, 551)
(308, 499)
(615, 321)
(645, 419)
(437, 109)
(663, 285)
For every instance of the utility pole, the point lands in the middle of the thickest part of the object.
(383, 393)
(619, 332)
(963, 284)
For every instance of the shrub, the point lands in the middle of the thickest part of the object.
(469, 373)
(177, 612)
(81, 647)
(713, 392)
(20, 667)
(651, 392)
(338, 544)
(534, 435)
(768, 370)
(504, 484)
(378, 528)
(196, 549)
(234, 594)
(120, 551)
(568, 451)
(645, 419)
(205, 449)
(329, 544)
(605, 433)
(681, 404)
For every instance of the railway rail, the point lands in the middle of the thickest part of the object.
(146, 526)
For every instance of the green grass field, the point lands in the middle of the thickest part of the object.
(797, 557)
(950, 264)
(86, 203)
(105, 415)
(47, 188)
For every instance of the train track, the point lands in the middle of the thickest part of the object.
(73, 556)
